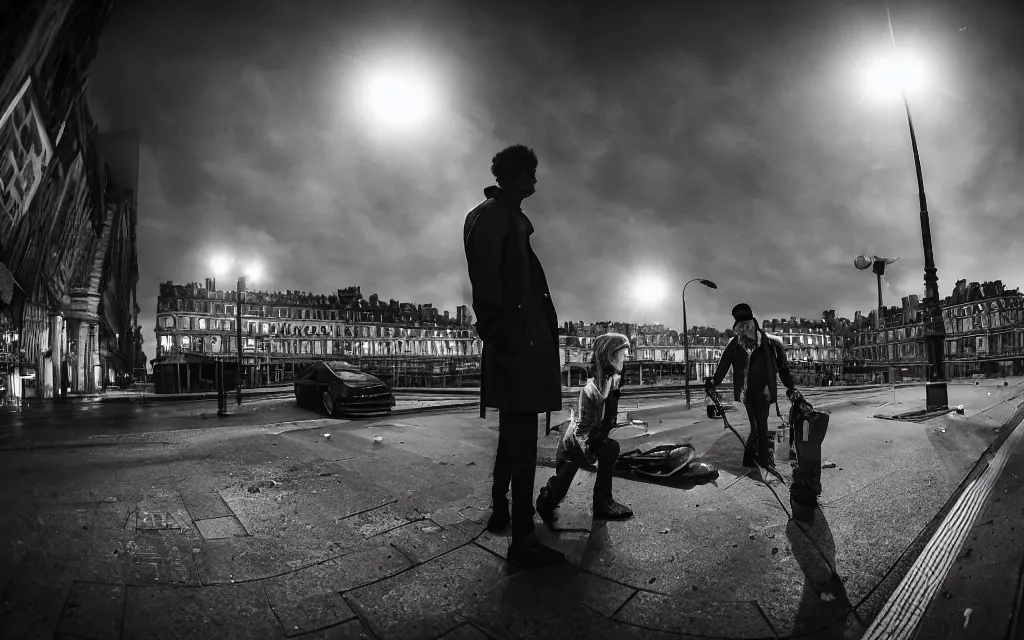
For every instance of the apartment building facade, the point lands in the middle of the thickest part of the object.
(282, 332)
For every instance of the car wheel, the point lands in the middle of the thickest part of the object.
(328, 403)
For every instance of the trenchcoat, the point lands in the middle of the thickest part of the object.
(515, 316)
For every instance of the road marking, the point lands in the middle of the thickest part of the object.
(902, 613)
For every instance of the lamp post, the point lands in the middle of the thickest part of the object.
(238, 338)
(936, 395)
(877, 266)
(686, 338)
(221, 265)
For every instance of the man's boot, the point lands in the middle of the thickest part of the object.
(499, 519)
(528, 551)
(609, 509)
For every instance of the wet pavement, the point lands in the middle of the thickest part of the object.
(270, 529)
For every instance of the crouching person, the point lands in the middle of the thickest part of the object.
(586, 441)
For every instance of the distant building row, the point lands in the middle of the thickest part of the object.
(284, 331)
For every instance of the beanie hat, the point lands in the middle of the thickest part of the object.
(742, 312)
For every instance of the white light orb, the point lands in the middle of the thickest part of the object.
(220, 265)
(888, 77)
(399, 98)
(649, 289)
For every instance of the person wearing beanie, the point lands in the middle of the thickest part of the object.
(586, 441)
(755, 358)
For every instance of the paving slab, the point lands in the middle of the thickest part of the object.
(465, 632)
(695, 617)
(222, 611)
(525, 607)
(31, 610)
(93, 611)
(600, 594)
(351, 630)
(343, 573)
(230, 560)
(203, 505)
(307, 608)
(429, 599)
(425, 540)
(157, 557)
(221, 528)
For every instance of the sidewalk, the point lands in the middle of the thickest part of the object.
(982, 592)
(287, 533)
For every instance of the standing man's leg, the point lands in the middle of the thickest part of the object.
(524, 473)
(761, 411)
(526, 548)
(750, 447)
(502, 477)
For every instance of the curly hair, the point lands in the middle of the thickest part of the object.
(512, 162)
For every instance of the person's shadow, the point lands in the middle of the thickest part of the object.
(824, 604)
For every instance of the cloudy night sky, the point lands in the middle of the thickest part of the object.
(737, 141)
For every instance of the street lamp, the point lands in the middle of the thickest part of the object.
(686, 337)
(902, 75)
(877, 266)
(221, 265)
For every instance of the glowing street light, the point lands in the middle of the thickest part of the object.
(905, 74)
(649, 290)
(222, 265)
(890, 77)
(686, 338)
(400, 98)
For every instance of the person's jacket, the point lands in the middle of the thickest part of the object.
(767, 360)
(515, 316)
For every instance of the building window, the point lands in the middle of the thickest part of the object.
(202, 324)
(229, 309)
(167, 322)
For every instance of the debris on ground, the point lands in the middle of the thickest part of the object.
(261, 485)
(378, 440)
(829, 465)
(327, 436)
(967, 616)
(827, 597)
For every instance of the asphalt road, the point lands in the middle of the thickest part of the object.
(51, 422)
(55, 422)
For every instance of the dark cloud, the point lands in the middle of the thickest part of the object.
(732, 141)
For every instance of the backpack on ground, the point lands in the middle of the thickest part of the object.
(665, 461)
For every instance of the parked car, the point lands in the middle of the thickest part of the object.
(340, 388)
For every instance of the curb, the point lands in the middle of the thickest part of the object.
(903, 612)
(917, 545)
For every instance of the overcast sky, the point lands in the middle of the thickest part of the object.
(728, 140)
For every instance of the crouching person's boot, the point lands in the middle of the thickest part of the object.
(528, 551)
(609, 509)
(546, 507)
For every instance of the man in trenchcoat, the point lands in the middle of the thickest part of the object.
(516, 319)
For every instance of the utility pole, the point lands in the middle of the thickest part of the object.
(238, 335)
